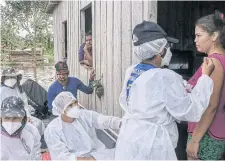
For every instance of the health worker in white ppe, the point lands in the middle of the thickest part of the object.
(20, 140)
(72, 135)
(153, 98)
(10, 86)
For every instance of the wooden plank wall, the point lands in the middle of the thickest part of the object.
(60, 15)
(112, 25)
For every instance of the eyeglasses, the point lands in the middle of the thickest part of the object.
(63, 73)
(168, 45)
(11, 77)
(74, 102)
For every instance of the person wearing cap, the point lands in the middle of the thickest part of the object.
(72, 135)
(20, 140)
(10, 86)
(153, 98)
(66, 83)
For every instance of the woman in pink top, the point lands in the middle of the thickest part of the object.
(206, 140)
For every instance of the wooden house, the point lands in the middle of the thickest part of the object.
(111, 23)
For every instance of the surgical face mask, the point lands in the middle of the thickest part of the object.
(74, 112)
(11, 127)
(167, 58)
(10, 82)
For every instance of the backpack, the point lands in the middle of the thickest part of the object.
(38, 97)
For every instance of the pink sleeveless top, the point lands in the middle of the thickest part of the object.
(217, 129)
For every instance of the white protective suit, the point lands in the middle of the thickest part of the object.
(67, 141)
(24, 147)
(7, 92)
(158, 98)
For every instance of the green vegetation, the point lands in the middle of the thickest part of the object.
(26, 25)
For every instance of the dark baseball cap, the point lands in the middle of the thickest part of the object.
(61, 67)
(149, 31)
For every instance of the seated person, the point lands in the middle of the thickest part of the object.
(85, 51)
(20, 140)
(65, 83)
(10, 86)
(72, 135)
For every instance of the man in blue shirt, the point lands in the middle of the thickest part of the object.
(66, 83)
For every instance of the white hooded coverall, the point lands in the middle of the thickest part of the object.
(7, 92)
(67, 141)
(158, 98)
(24, 147)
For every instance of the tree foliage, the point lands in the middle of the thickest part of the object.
(29, 18)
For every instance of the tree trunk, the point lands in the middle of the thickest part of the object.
(34, 51)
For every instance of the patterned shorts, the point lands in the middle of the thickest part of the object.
(209, 148)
